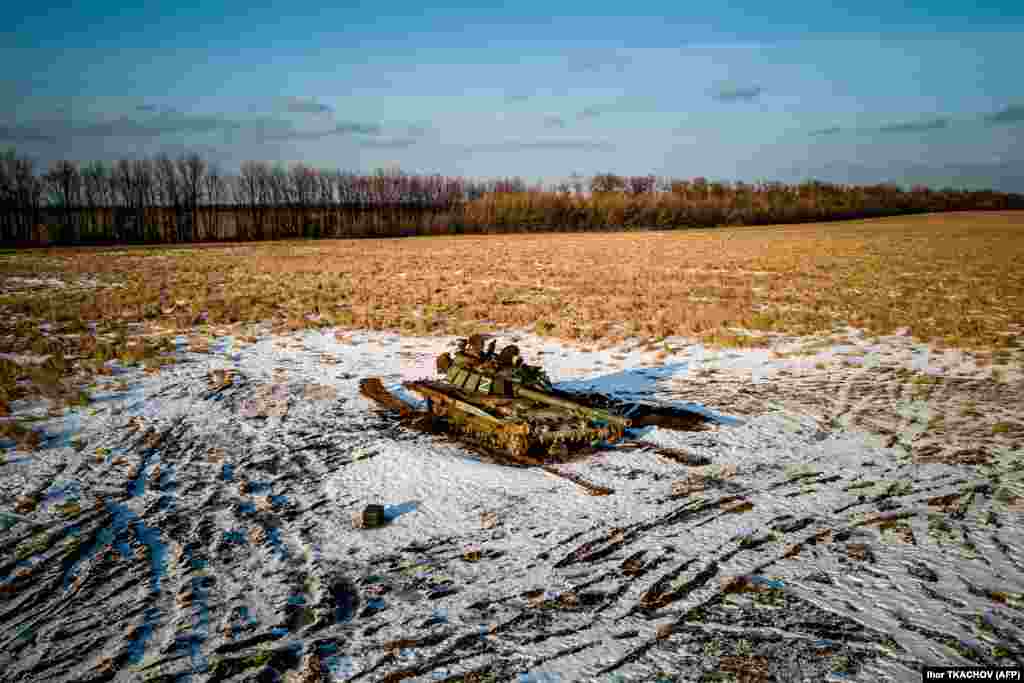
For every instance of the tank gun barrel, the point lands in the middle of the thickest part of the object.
(595, 413)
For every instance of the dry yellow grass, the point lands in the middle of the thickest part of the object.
(952, 278)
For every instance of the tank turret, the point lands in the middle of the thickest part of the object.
(496, 399)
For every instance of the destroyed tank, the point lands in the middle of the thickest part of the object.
(500, 402)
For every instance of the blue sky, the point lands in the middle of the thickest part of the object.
(736, 91)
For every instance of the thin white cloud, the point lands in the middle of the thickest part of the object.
(554, 121)
(738, 94)
(579, 144)
(703, 47)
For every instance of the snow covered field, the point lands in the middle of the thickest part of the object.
(196, 524)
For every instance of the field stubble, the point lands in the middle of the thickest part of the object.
(952, 280)
(223, 469)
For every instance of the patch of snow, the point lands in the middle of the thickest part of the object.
(265, 498)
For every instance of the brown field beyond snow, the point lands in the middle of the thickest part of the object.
(951, 278)
(853, 464)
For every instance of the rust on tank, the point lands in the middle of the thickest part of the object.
(496, 400)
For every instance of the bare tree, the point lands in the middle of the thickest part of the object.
(143, 189)
(577, 182)
(173, 191)
(302, 183)
(638, 184)
(185, 199)
(30, 194)
(254, 182)
(606, 183)
(20, 196)
(191, 172)
(216, 193)
(8, 196)
(280, 196)
(95, 190)
(699, 186)
(132, 184)
(63, 183)
(235, 196)
(120, 186)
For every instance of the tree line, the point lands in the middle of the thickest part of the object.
(187, 199)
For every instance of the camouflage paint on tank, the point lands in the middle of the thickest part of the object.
(497, 400)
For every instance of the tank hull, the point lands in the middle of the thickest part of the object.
(497, 401)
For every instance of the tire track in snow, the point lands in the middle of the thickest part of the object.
(293, 542)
